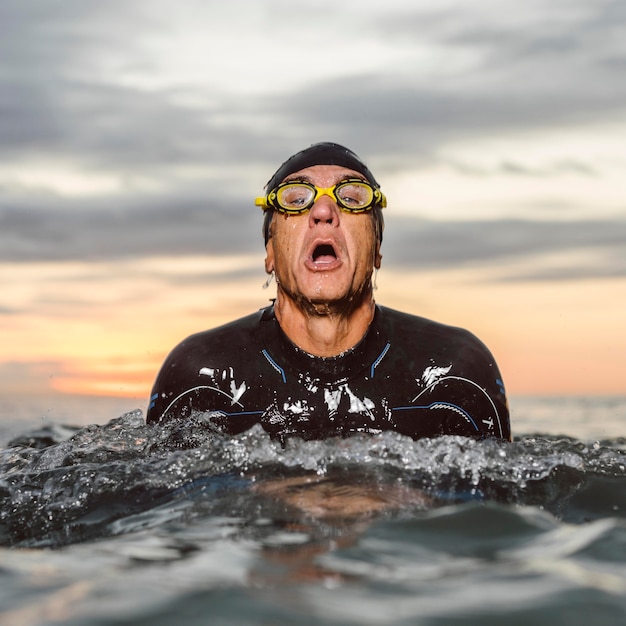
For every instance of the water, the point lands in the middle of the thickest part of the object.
(124, 524)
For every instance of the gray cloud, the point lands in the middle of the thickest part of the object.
(129, 227)
(191, 225)
(429, 245)
(54, 102)
(402, 126)
(564, 66)
(5, 310)
(55, 105)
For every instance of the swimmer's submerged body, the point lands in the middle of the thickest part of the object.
(408, 374)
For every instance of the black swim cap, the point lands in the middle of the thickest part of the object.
(323, 153)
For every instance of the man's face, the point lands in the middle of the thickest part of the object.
(326, 255)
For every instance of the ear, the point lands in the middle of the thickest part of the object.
(378, 257)
(269, 256)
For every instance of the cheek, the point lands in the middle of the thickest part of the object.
(364, 242)
(285, 238)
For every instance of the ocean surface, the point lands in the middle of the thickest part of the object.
(106, 521)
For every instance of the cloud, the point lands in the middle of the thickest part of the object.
(190, 226)
(17, 376)
(6, 310)
(484, 73)
(185, 159)
(403, 125)
(515, 168)
(67, 95)
(66, 92)
(594, 248)
(127, 227)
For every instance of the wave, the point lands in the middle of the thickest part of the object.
(63, 485)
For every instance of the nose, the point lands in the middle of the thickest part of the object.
(324, 211)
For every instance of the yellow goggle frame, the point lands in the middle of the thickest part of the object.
(295, 196)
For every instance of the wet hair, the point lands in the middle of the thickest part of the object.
(324, 153)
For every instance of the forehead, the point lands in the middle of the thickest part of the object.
(324, 175)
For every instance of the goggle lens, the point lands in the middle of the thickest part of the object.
(295, 197)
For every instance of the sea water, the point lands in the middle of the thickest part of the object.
(120, 523)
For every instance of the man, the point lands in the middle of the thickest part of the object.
(324, 360)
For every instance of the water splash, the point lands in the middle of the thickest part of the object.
(64, 485)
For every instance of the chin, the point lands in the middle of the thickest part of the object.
(321, 296)
(339, 303)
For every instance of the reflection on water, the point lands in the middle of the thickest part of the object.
(329, 496)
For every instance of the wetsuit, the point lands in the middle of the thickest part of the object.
(408, 374)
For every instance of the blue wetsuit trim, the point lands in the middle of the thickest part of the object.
(380, 357)
(240, 413)
(275, 365)
(435, 405)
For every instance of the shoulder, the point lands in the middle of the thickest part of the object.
(413, 327)
(454, 366)
(412, 334)
(230, 336)
(200, 355)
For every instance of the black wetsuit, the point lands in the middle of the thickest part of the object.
(408, 374)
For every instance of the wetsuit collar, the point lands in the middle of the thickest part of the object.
(299, 363)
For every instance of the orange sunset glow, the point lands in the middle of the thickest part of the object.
(547, 338)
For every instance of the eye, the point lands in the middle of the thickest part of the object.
(294, 196)
(355, 195)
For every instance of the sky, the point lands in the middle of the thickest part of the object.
(135, 135)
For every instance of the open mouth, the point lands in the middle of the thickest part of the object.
(324, 253)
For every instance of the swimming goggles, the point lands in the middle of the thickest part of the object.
(294, 197)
